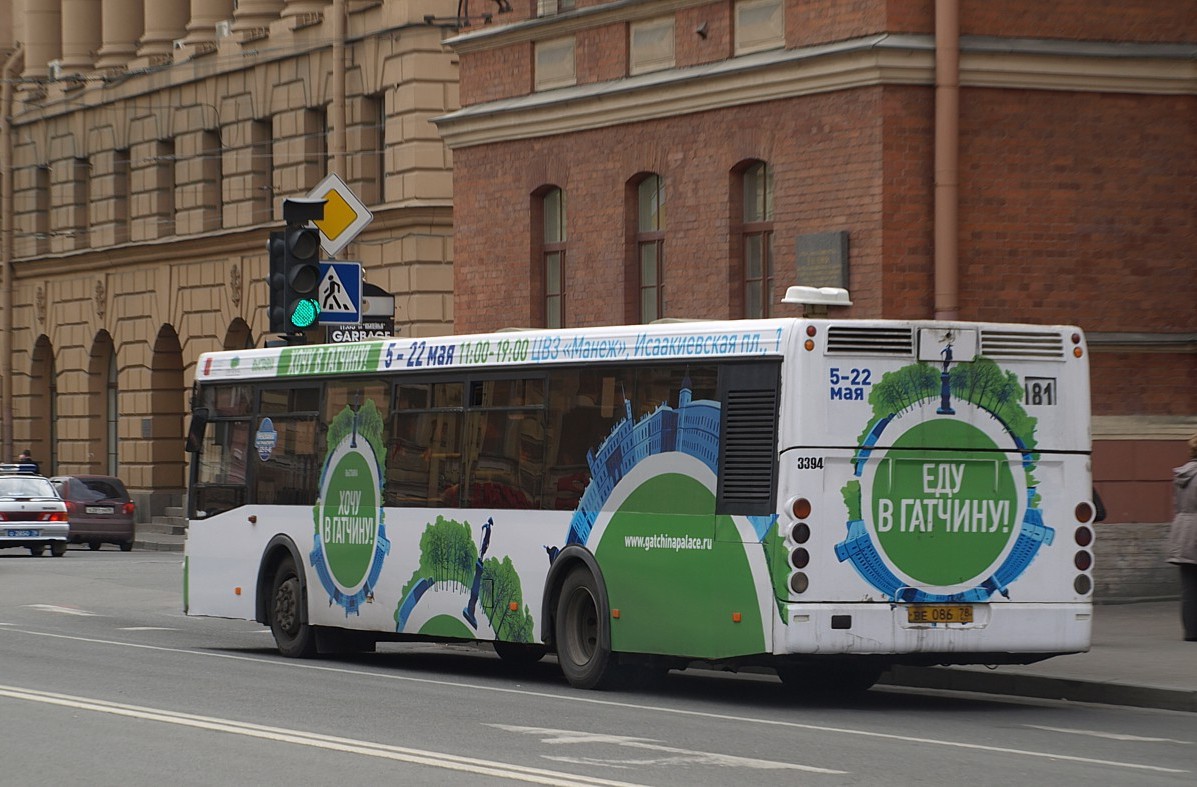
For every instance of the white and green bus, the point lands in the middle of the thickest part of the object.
(825, 497)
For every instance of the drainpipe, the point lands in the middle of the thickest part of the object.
(947, 159)
(11, 74)
(338, 84)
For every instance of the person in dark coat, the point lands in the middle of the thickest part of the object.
(28, 465)
(1182, 539)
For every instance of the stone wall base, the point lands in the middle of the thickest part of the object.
(154, 503)
(1129, 563)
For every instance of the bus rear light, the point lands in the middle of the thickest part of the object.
(799, 558)
(1076, 338)
(1082, 584)
(800, 533)
(1084, 512)
(811, 330)
(1077, 352)
(1083, 560)
(1083, 536)
(809, 344)
(801, 508)
(799, 583)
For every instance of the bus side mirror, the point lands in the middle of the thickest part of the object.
(195, 435)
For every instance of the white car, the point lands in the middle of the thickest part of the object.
(32, 515)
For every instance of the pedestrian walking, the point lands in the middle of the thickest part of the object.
(1182, 539)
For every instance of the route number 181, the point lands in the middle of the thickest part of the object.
(1040, 390)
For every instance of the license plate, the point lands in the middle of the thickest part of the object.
(99, 509)
(23, 533)
(939, 613)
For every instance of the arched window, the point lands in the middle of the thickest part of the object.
(757, 237)
(553, 257)
(650, 246)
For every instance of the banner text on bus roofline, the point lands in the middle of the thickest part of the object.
(371, 356)
(476, 352)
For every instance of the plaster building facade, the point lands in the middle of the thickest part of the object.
(1013, 161)
(147, 148)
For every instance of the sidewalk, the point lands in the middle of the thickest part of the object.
(1138, 658)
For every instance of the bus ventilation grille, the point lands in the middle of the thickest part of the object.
(749, 445)
(1007, 344)
(853, 340)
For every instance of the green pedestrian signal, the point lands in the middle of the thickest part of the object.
(305, 313)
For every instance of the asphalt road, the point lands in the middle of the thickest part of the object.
(103, 681)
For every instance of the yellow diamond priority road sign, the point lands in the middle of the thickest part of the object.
(344, 214)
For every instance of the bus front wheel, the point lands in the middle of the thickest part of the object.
(581, 650)
(288, 614)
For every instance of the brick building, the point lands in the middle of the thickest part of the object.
(622, 161)
(146, 151)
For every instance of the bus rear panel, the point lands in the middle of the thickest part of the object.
(934, 493)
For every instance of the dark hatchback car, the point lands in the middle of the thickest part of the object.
(100, 510)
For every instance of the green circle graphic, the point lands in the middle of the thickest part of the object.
(944, 517)
(349, 519)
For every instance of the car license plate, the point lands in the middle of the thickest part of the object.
(99, 509)
(23, 533)
(939, 613)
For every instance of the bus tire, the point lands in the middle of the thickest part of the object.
(581, 635)
(288, 614)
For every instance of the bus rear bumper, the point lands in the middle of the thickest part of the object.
(886, 629)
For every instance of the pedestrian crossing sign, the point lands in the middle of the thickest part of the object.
(340, 292)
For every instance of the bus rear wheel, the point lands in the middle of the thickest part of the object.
(580, 634)
(288, 614)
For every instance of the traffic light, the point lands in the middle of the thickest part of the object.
(301, 277)
(276, 280)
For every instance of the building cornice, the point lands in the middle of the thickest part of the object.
(1126, 341)
(229, 244)
(1168, 69)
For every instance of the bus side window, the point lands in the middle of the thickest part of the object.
(221, 469)
(424, 444)
(504, 451)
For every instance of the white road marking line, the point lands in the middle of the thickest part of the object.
(332, 743)
(614, 703)
(62, 610)
(146, 628)
(559, 737)
(1114, 736)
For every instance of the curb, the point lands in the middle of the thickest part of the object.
(1042, 687)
